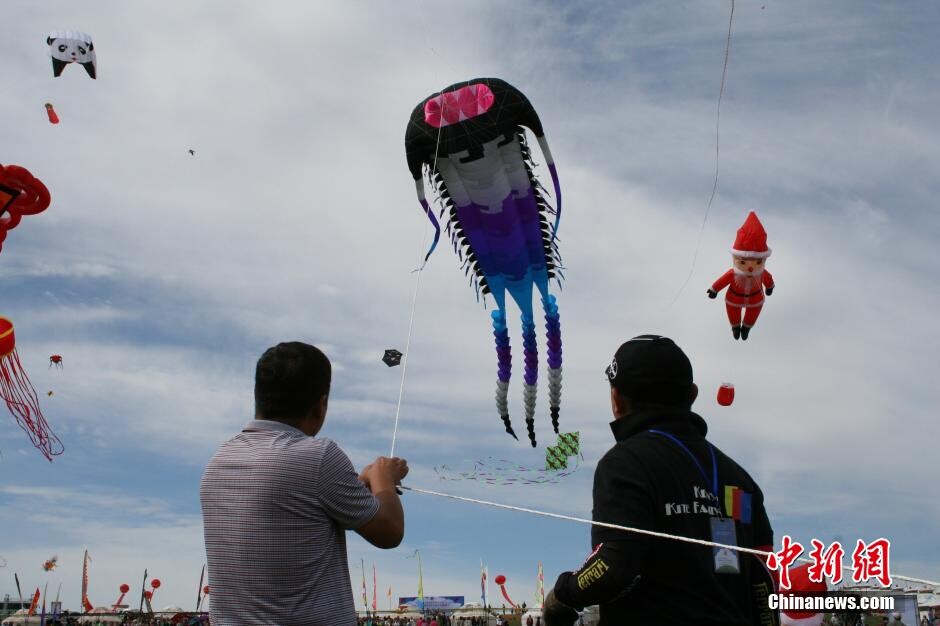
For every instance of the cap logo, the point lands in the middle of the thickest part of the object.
(612, 369)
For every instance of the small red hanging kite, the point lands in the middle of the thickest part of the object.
(53, 118)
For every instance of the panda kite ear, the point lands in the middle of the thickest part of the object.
(49, 40)
(91, 46)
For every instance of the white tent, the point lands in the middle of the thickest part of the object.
(469, 611)
(103, 614)
(20, 619)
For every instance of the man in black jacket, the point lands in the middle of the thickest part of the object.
(663, 475)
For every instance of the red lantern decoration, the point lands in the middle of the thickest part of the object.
(500, 579)
(123, 589)
(148, 594)
(205, 590)
(155, 583)
(726, 394)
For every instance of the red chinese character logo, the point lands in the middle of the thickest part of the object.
(871, 561)
(783, 559)
(826, 562)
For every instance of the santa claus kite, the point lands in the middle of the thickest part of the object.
(747, 281)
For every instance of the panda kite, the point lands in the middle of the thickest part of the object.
(71, 46)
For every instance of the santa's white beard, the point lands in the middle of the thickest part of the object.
(752, 274)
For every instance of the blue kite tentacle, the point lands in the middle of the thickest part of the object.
(419, 187)
(530, 351)
(504, 364)
(553, 336)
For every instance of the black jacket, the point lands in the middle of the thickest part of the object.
(649, 481)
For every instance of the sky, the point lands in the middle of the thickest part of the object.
(160, 277)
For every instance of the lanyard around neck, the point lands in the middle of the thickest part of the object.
(711, 449)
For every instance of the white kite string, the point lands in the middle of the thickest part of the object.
(414, 299)
(721, 92)
(639, 531)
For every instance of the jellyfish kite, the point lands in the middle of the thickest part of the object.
(470, 140)
(20, 396)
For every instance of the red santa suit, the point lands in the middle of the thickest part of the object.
(746, 290)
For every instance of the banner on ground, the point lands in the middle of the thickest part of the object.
(431, 603)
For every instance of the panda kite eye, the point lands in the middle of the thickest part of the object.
(63, 48)
(82, 50)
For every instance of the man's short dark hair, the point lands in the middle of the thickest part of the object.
(290, 379)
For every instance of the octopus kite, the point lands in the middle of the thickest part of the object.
(20, 194)
(470, 140)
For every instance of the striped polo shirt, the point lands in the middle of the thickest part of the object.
(276, 505)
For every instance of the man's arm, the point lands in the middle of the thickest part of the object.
(621, 496)
(387, 528)
(609, 572)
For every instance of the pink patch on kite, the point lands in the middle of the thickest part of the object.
(459, 105)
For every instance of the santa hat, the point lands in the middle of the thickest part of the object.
(751, 242)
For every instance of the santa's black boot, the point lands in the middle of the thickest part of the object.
(744, 332)
(736, 331)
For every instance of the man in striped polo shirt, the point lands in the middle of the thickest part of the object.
(277, 502)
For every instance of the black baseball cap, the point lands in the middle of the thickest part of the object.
(651, 369)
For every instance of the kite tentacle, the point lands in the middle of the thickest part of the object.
(543, 144)
(504, 364)
(22, 401)
(419, 188)
(530, 351)
(553, 343)
(553, 262)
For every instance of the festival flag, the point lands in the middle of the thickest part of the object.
(34, 603)
(143, 591)
(374, 607)
(18, 591)
(540, 587)
(389, 597)
(420, 581)
(86, 605)
(482, 582)
(199, 590)
(56, 605)
(365, 595)
(42, 617)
